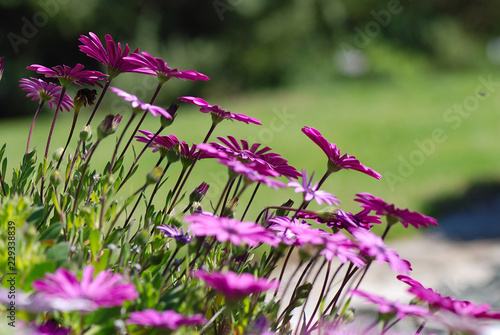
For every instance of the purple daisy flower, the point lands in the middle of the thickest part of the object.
(338, 245)
(175, 233)
(232, 230)
(295, 232)
(254, 152)
(394, 214)
(218, 114)
(68, 75)
(236, 286)
(45, 92)
(138, 104)
(158, 67)
(455, 306)
(336, 161)
(112, 57)
(312, 192)
(105, 290)
(167, 319)
(400, 310)
(372, 245)
(254, 172)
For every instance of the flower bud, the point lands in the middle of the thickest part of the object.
(86, 133)
(108, 126)
(284, 212)
(174, 153)
(141, 238)
(199, 193)
(172, 110)
(56, 178)
(154, 175)
(56, 155)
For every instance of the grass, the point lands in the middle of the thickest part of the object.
(379, 120)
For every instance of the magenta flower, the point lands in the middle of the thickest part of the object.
(336, 161)
(165, 143)
(236, 286)
(394, 214)
(232, 230)
(112, 57)
(400, 310)
(455, 306)
(373, 246)
(138, 104)
(295, 232)
(312, 192)
(105, 290)
(68, 75)
(167, 319)
(158, 67)
(45, 92)
(218, 114)
(253, 172)
(245, 152)
(338, 245)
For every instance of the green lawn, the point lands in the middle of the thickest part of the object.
(405, 129)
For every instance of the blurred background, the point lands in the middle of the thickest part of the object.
(410, 88)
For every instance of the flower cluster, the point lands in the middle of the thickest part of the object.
(121, 250)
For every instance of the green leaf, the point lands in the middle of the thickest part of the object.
(95, 244)
(52, 232)
(59, 252)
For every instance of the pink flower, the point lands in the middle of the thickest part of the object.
(105, 290)
(158, 67)
(236, 286)
(372, 245)
(112, 57)
(218, 114)
(141, 105)
(338, 245)
(400, 310)
(404, 216)
(178, 235)
(167, 319)
(336, 161)
(165, 143)
(227, 229)
(312, 192)
(68, 75)
(294, 232)
(254, 172)
(45, 92)
(232, 230)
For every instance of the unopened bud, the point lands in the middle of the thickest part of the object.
(154, 175)
(56, 178)
(56, 155)
(172, 110)
(174, 153)
(86, 133)
(199, 193)
(284, 212)
(108, 126)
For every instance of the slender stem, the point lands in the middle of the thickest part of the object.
(421, 327)
(158, 88)
(112, 163)
(3, 186)
(92, 150)
(139, 156)
(33, 124)
(322, 294)
(183, 171)
(250, 202)
(210, 131)
(75, 117)
(157, 186)
(226, 189)
(347, 276)
(58, 107)
(98, 103)
(327, 173)
(73, 161)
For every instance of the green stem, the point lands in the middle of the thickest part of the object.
(75, 117)
(33, 124)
